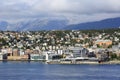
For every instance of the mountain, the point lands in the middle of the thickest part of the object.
(35, 25)
(39, 24)
(3, 25)
(103, 24)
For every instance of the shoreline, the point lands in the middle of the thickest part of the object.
(64, 62)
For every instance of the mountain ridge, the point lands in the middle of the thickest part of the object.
(38, 24)
(102, 24)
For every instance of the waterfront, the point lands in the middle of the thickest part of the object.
(40, 71)
(66, 46)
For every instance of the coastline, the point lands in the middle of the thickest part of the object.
(85, 62)
(65, 62)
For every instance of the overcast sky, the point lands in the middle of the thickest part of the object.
(76, 11)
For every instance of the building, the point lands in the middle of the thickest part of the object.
(103, 43)
(28, 51)
(19, 58)
(16, 52)
(22, 52)
(37, 57)
(10, 52)
(1, 56)
(60, 52)
(119, 45)
(17, 55)
(76, 52)
(46, 56)
(102, 55)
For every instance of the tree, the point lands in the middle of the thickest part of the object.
(113, 56)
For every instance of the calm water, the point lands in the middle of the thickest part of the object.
(39, 71)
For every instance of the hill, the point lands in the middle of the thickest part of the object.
(103, 24)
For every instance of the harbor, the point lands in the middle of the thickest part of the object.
(70, 55)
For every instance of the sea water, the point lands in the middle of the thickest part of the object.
(41, 71)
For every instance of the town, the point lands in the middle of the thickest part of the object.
(65, 46)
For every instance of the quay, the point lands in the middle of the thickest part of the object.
(65, 62)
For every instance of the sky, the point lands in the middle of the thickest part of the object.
(75, 11)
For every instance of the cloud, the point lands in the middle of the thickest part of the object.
(78, 6)
(74, 10)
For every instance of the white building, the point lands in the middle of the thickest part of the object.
(22, 52)
(1, 56)
(60, 52)
(37, 57)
